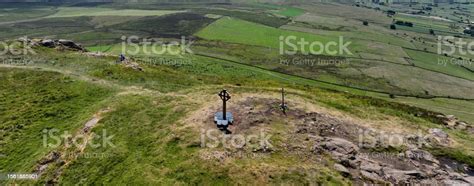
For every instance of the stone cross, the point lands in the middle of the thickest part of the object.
(283, 105)
(225, 97)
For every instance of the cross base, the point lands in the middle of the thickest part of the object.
(220, 122)
(283, 107)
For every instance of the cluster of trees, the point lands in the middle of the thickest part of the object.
(404, 23)
(469, 30)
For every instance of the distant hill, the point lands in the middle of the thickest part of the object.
(235, 1)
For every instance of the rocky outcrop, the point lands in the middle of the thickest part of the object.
(70, 44)
(414, 166)
(50, 43)
(438, 137)
(452, 122)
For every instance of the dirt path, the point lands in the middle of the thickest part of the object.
(20, 21)
(60, 159)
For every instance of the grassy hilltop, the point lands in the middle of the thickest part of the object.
(394, 82)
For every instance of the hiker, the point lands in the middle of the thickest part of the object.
(122, 57)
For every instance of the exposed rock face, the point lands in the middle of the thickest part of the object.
(438, 137)
(422, 156)
(357, 152)
(70, 44)
(454, 123)
(343, 170)
(47, 43)
(341, 149)
(421, 166)
(50, 43)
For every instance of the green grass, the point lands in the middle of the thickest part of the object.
(46, 27)
(100, 48)
(439, 63)
(23, 12)
(238, 31)
(151, 144)
(145, 151)
(251, 16)
(287, 11)
(290, 12)
(175, 25)
(36, 100)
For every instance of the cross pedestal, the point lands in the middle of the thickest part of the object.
(223, 119)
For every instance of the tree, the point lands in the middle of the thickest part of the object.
(432, 32)
(366, 23)
(393, 27)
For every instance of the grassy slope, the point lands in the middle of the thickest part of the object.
(156, 121)
(35, 100)
(152, 147)
(146, 152)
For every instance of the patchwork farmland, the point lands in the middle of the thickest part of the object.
(236, 92)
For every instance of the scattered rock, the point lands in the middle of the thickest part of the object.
(455, 182)
(341, 149)
(421, 155)
(371, 176)
(469, 179)
(371, 166)
(438, 137)
(44, 162)
(400, 176)
(452, 122)
(343, 170)
(133, 65)
(461, 125)
(221, 156)
(263, 149)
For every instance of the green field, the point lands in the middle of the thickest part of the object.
(287, 11)
(154, 115)
(238, 31)
(440, 64)
(157, 106)
(16, 13)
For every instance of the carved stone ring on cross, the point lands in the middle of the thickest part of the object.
(224, 95)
